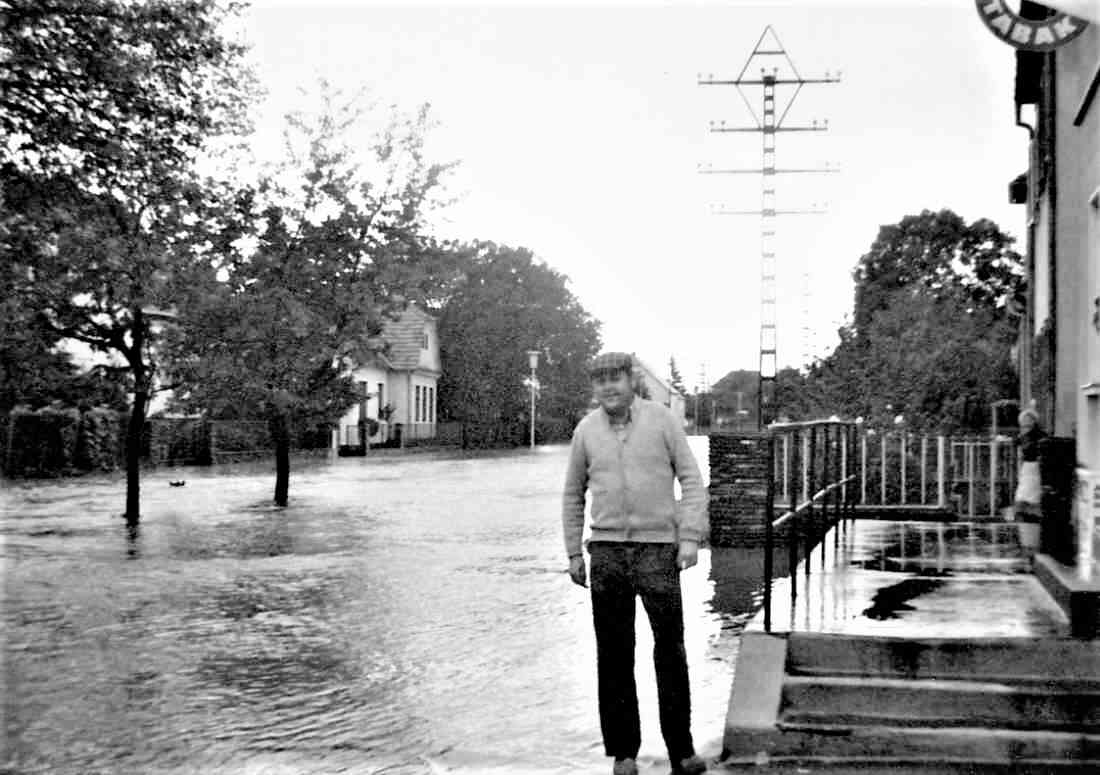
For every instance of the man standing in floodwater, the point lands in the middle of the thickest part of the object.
(627, 453)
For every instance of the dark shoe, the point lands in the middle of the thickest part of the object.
(625, 767)
(692, 765)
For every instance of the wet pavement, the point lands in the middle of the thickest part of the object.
(402, 615)
(917, 580)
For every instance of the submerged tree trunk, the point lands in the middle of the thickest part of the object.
(280, 434)
(133, 458)
(137, 421)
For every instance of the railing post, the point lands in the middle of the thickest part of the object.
(769, 542)
(786, 466)
(941, 472)
(834, 474)
(838, 499)
(805, 460)
(827, 480)
(972, 478)
(810, 521)
(904, 461)
(845, 444)
(863, 467)
(1010, 467)
(853, 436)
(882, 471)
(793, 528)
(993, 477)
(923, 469)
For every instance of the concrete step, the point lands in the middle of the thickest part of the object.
(1039, 751)
(938, 703)
(1021, 661)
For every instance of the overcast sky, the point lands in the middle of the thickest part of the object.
(579, 129)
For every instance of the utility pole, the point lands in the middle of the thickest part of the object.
(768, 125)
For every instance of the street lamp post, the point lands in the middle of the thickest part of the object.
(533, 361)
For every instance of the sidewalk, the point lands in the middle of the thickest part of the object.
(916, 580)
(914, 647)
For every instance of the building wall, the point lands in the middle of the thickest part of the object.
(429, 358)
(403, 389)
(660, 390)
(1077, 407)
(347, 432)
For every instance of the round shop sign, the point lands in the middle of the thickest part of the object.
(1030, 34)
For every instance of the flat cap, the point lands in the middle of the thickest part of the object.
(611, 361)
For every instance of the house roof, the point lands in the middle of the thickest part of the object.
(638, 363)
(404, 336)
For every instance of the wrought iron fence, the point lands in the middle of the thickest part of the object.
(817, 482)
(823, 472)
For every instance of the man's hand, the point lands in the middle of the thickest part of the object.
(577, 571)
(688, 554)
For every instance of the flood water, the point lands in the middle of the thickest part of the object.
(404, 614)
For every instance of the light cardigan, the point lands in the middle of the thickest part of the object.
(630, 475)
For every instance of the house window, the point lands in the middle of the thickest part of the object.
(424, 340)
(431, 404)
(381, 399)
(364, 397)
(417, 410)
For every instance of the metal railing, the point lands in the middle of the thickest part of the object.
(814, 469)
(972, 475)
(823, 472)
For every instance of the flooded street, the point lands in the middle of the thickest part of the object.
(404, 614)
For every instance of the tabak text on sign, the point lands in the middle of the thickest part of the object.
(1031, 34)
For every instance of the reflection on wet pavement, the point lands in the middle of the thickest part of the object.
(914, 580)
(402, 615)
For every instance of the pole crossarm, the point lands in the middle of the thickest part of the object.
(762, 81)
(769, 129)
(769, 212)
(764, 171)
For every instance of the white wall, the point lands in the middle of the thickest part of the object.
(429, 359)
(372, 375)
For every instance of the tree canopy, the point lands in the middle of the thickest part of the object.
(931, 334)
(675, 379)
(936, 254)
(332, 246)
(105, 106)
(503, 303)
(105, 91)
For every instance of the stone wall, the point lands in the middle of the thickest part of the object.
(738, 487)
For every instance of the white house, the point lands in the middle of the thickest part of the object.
(660, 390)
(398, 388)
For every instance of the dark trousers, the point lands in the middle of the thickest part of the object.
(619, 573)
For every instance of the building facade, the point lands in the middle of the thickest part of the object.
(1059, 349)
(398, 387)
(659, 389)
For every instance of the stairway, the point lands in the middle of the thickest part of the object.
(840, 699)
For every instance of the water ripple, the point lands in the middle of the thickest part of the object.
(402, 615)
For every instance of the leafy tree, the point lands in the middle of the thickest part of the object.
(735, 391)
(930, 336)
(504, 303)
(30, 365)
(936, 254)
(336, 249)
(676, 380)
(35, 372)
(105, 105)
(106, 90)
